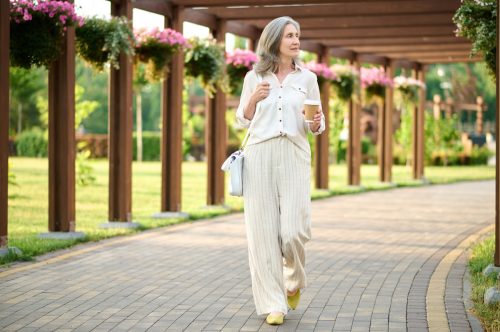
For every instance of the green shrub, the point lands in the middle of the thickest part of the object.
(480, 155)
(32, 143)
(151, 142)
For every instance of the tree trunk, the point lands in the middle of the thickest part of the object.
(19, 118)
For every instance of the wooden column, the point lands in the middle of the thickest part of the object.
(321, 153)
(62, 138)
(497, 127)
(171, 148)
(354, 139)
(418, 167)
(385, 144)
(120, 130)
(479, 115)
(4, 121)
(216, 134)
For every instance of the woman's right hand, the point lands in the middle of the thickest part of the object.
(261, 92)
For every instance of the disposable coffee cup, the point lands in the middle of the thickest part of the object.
(311, 106)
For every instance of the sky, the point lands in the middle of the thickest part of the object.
(143, 19)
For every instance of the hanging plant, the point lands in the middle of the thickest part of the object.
(476, 20)
(344, 85)
(374, 81)
(100, 41)
(205, 59)
(155, 48)
(322, 71)
(406, 89)
(238, 63)
(36, 31)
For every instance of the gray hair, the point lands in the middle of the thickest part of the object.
(268, 49)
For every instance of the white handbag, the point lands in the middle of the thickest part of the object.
(234, 163)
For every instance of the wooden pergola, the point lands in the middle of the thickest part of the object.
(389, 33)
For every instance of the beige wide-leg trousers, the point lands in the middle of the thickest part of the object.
(276, 191)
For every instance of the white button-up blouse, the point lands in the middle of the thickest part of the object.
(280, 113)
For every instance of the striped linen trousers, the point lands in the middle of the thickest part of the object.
(277, 203)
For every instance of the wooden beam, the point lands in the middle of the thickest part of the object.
(310, 46)
(373, 21)
(354, 138)
(216, 135)
(336, 9)
(342, 53)
(62, 138)
(449, 59)
(420, 153)
(120, 130)
(385, 130)
(372, 59)
(209, 3)
(171, 149)
(428, 49)
(497, 167)
(160, 7)
(243, 30)
(200, 17)
(321, 151)
(4, 121)
(408, 31)
(393, 41)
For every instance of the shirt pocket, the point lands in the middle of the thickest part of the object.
(299, 93)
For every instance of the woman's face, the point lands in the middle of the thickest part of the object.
(290, 44)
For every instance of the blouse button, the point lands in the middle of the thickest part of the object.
(279, 97)
(280, 108)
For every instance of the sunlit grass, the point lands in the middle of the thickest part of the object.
(28, 200)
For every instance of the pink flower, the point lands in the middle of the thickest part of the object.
(372, 76)
(322, 70)
(241, 58)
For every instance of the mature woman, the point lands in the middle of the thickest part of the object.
(276, 173)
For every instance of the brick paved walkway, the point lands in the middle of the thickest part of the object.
(369, 265)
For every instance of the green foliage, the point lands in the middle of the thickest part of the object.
(151, 142)
(344, 86)
(32, 143)
(337, 147)
(482, 256)
(100, 41)
(404, 133)
(36, 42)
(476, 20)
(12, 176)
(84, 172)
(25, 86)
(375, 91)
(206, 59)
(236, 75)
(83, 108)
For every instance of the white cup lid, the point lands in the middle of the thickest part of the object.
(312, 102)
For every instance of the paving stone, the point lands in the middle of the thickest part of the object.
(369, 265)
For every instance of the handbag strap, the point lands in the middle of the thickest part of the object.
(257, 107)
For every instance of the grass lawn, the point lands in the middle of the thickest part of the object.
(482, 255)
(28, 200)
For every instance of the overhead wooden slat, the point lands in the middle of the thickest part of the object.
(414, 48)
(335, 9)
(384, 41)
(205, 3)
(160, 7)
(367, 21)
(412, 31)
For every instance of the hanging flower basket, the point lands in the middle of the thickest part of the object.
(322, 71)
(238, 63)
(345, 84)
(374, 81)
(36, 31)
(155, 48)
(100, 41)
(407, 89)
(205, 59)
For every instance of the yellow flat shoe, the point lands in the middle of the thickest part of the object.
(275, 319)
(293, 300)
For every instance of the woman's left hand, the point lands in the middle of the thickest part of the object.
(316, 122)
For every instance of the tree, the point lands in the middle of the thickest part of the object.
(25, 87)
